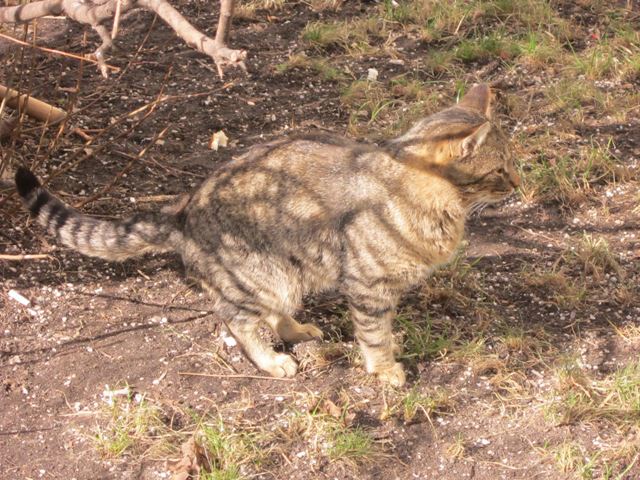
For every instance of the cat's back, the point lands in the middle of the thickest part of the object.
(307, 176)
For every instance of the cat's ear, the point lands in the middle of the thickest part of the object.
(478, 99)
(475, 139)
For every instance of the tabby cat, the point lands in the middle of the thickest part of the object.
(312, 213)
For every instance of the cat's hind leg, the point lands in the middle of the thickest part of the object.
(244, 328)
(289, 330)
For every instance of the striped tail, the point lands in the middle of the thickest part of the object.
(110, 240)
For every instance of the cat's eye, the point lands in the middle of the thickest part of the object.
(501, 171)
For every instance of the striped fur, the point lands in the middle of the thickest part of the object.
(110, 240)
(313, 213)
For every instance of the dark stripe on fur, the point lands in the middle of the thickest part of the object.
(377, 344)
(62, 214)
(41, 200)
(111, 240)
(371, 311)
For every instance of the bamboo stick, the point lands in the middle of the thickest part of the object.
(32, 106)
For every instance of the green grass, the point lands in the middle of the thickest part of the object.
(325, 429)
(538, 49)
(392, 105)
(353, 37)
(442, 19)
(595, 257)
(578, 397)
(420, 340)
(226, 450)
(249, 8)
(492, 46)
(613, 57)
(354, 444)
(611, 403)
(131, 427)
(416, 406)
(569, 178)
(555, 285)
(318, 65)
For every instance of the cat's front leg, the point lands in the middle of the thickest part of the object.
(373, 330)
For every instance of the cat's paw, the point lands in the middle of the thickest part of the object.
(393, 375)
(312, 332)
(281, 366)
(303, 333)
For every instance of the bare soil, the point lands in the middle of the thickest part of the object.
(93, 326)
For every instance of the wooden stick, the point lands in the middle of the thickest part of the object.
(116, 20)
(18, 258)
(56, 52)
(255, 377)
(32, 106)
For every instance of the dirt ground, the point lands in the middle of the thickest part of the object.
(493, 341)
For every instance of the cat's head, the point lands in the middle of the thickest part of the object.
(463, 144)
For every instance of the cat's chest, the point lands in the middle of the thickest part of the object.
(440, 237)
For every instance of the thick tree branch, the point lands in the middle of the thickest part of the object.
(97, 12)
(29, 11)
(224, 21)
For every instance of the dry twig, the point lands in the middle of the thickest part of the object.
(97, 13)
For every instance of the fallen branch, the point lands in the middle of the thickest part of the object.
(20, 258)
(253, 377)
(97, 12)
(55, 52)
(32, 106)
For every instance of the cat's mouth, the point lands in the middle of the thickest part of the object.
(491, 198)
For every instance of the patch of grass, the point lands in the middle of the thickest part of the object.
(420, 339)
(318, 65)
(133, 423)
(457, 448)
(551, 180)
(556, 284)
(629, 332)
(571, 95)
(578, 397)
(393, 105)
(538, 49)
(568, 178)
(248, 9)
(367, 100)
(323, 5)
(226, 450)
(354, 445)
(615, 57)
(326, 429)
(436, 20)
(415, 404)
(523, 348)
(353, 37)
(459, 285)
(440, 62)
(489, 47)
(574, 459)
(595, 257)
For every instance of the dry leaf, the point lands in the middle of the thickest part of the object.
(193, 459)
(331, 408)
(218, 139)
